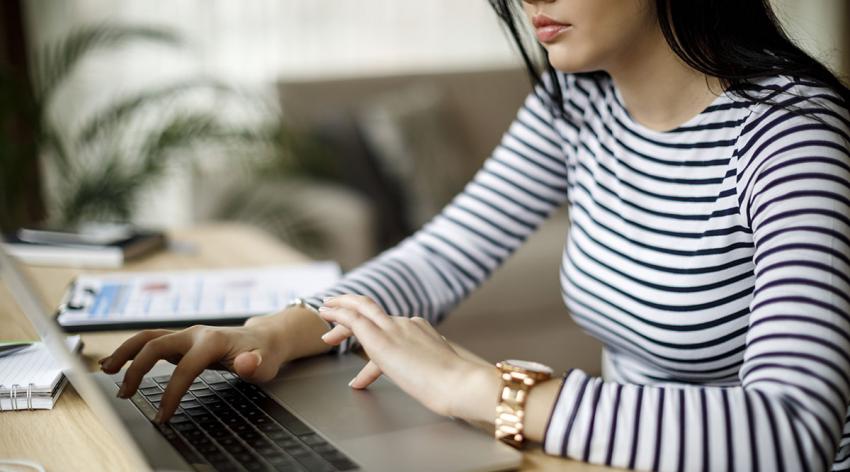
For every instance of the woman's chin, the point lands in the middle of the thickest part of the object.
(565, 59)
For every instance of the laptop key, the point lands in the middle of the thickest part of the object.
(344, 465)
(323, 449)
(146, 408)
(312, 439)
(215, 405)
(162, 379)
(147, 382)
(241, 428)
(207, 398)
(211, 377)
(180, 418)
(219, 433)
(288, 442)
(188, 426)
(227, 467)
(150, 390)
(192, 433)
(220, 386)
(288, 468)
(252, 466)
(266, 451)
(313, 463)
(270, 428)
(188, 404)
(280, 461)
(296, 450)
(197, 412)
(279, 435)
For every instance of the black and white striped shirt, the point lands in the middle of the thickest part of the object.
(712, 260)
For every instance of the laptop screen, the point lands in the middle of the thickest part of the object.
(51, 335)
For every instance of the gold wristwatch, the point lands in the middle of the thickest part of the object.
(518, 378)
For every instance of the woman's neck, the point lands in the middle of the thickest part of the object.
(659, 90)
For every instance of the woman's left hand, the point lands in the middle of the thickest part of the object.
(415, 357)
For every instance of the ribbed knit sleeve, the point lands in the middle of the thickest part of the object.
(788, 413)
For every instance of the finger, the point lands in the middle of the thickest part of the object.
(365, 306)
(366, 331)
(205, 352)
(129, 348)
(367, 375)
(159, 348)
(250, 365)
(336, 335)
(246, 363)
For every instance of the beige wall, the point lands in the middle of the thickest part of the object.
(821, 27)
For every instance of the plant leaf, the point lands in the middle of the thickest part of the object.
(117, 114)
(55, 61)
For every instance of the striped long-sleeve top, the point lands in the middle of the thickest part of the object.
(712, 260)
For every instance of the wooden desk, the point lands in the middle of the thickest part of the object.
(70, 437)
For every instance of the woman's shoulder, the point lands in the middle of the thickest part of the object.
(790, 105)
(789, 93)
(791, 118)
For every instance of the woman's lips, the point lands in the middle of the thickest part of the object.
(548, 29)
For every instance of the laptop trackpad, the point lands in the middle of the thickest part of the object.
(326, 402)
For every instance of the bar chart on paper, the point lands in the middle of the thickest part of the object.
(127, 300)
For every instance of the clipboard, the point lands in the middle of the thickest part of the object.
(132, 300)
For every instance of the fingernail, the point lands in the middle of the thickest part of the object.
(324, 308)
(325, 336)
(352, 381)
(259, 358)
(328, 299)
(101, 361)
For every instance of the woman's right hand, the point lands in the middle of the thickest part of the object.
(254, 352)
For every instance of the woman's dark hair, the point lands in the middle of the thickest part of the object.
(734, 40)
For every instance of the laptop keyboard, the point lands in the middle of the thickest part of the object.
(226, 424)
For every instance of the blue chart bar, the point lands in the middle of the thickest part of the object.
(104, 300)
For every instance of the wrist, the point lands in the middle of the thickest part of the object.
(476, 394)
(293, 332)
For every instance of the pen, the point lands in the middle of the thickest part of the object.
(11, 348)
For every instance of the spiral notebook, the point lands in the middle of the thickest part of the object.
(31, 379)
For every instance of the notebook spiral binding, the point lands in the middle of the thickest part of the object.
(13, 397)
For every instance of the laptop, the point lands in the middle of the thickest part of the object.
(306, 419)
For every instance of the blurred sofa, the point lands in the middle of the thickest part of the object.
(406, 144)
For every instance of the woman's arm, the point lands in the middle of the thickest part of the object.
(519, 186)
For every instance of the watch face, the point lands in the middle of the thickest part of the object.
(530, 366)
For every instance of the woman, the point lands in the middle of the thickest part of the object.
(704, 160)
